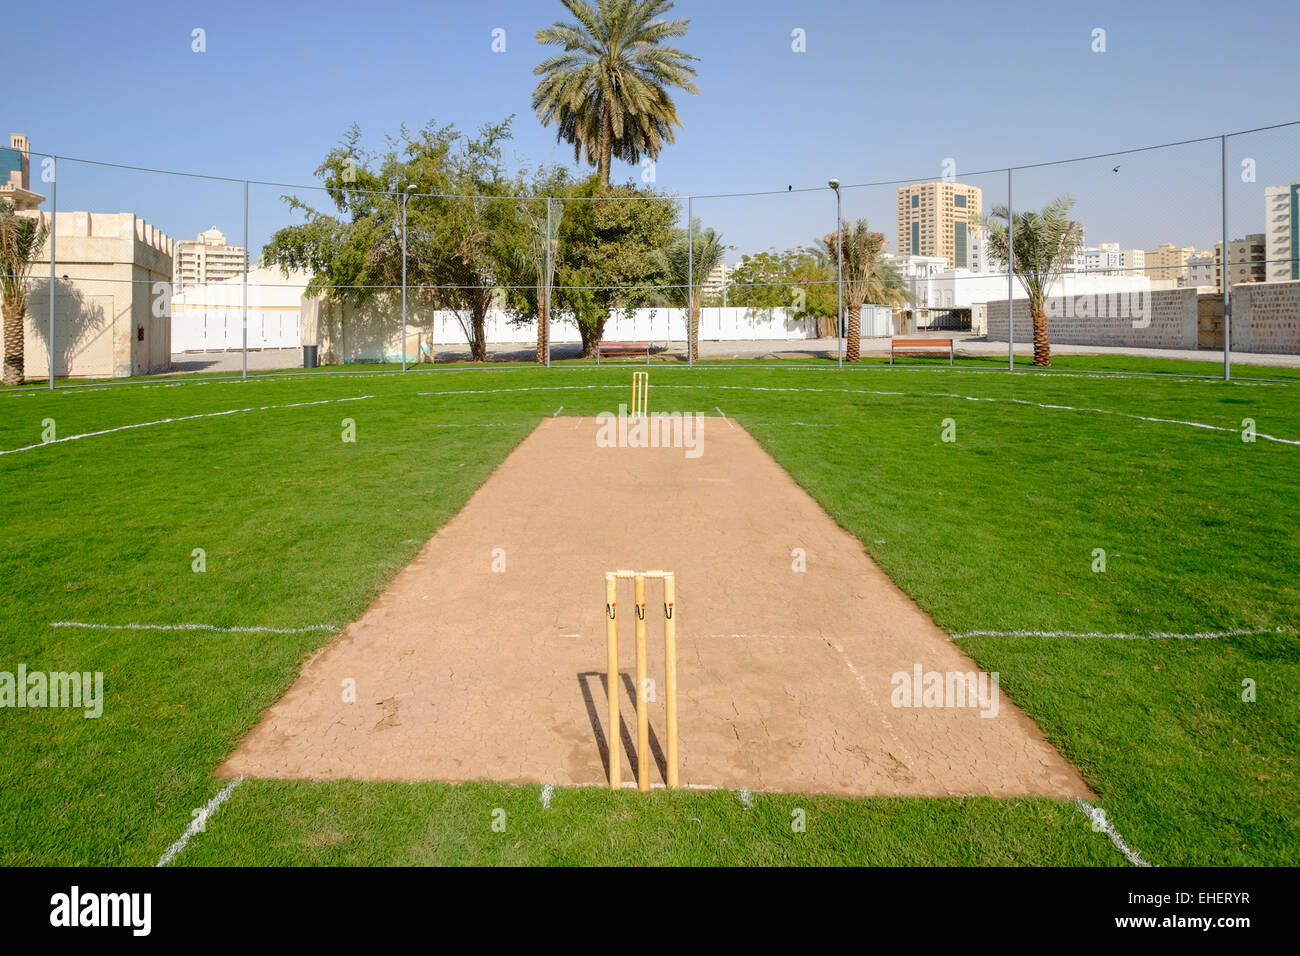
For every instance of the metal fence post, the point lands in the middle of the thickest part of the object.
(405, 195)
(547, 316)
(244, 350)
(1011, 258)
(54, 209)
(1227, 317)
(690, 281)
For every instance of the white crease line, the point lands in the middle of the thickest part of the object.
(557, 411)
(182, 418)
(194, 627)
(1015, 401)
(199, 823)
(1099, 822)
(1156, 635)
(724, 417)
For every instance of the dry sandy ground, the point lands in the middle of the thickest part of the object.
(464, 672)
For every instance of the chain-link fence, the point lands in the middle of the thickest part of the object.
(1139, 249)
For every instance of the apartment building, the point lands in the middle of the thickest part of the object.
(717, 279)
(1168, 261)
(1246, 261)
(209, 258)
(1282, 232)
(939, 219)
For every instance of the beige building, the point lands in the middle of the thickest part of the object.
(16, 174)
(940, 219)
(209, 258)
(1246, 261)
(1168, 261)
(112, 309)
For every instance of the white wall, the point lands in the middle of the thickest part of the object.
(213, 322)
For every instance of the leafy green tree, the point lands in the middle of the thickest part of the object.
(462, 222)
(855, 249)
(1045, 242)
(608, 92)
(21, 238)
(613, 246)
(798, 278)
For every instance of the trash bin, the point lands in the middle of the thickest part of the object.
(309, 356)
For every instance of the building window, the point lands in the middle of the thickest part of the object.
(916, 201)
(959, 201)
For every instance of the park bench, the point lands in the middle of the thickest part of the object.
(919, 347)
(614, 349)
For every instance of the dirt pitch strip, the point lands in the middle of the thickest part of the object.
(466, 672)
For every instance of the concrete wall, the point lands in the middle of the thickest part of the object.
(105, 321)
(1265, 318)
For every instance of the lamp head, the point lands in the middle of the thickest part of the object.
(834, 184)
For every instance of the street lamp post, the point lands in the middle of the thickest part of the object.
(839, 274)
(406, 194)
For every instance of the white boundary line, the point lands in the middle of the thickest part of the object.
(195, 627)
(746, 388)
(1014, 401)
(1100, 823)
(1155, 635)
(182, 418)
(199, 822)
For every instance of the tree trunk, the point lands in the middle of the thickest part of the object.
(543, 332)
(1042, 347)
(606, 152)
(695, 331)
(478, 342)
(592, 334)
(13, 333)
(853, 347)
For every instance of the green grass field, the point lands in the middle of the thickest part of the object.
(993, 532)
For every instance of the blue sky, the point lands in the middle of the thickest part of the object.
(883, 92)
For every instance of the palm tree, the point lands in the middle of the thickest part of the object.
(860, 248)
(608, 91)
(21, 237)
(1045, 242)
(689, 266)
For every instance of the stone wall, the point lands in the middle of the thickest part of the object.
(1266, 317)
(1164, 319)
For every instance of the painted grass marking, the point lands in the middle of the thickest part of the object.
(1099, 822)
(200, 821)
(547, 792)
(182, 418)
(723, 415)
(1155, 635)
(557, 412)
(1015, 401)
(195, 627)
